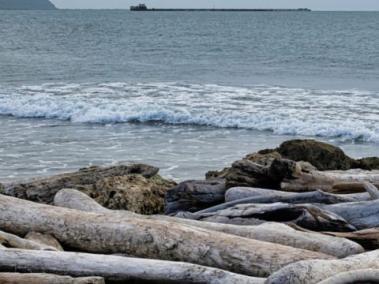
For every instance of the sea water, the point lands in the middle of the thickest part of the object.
(185, 91)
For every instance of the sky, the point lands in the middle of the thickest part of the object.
(312, 4)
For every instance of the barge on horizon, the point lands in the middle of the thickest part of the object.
(143, 7)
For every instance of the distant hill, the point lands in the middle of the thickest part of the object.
(26, 5)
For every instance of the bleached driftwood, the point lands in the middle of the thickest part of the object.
(292, 198)
(269, 232)
(13, 241)
(354, 276)
(42, 278)
(350, 181)
(314, 271)
(116, 267)
(108, 233)
(44, 239)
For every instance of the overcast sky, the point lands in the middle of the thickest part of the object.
(313, 4)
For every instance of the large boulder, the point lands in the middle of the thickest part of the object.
(195, 195)
(135, 187)
(321, 155)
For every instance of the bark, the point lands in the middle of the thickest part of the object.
(237, 193)
(13, 241)
(269, 232)
(44, 239)
(140, 237)
(350, 181)
(314, 271)
(355, 276)
(286, 197)
(34, 278)
(369, 238)
(116, 267)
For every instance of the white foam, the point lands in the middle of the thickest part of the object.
(346, 114)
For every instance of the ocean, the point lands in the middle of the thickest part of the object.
(187, 92)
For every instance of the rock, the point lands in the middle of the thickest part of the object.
(370, 163)
(195, 195)
(245, 173)
(135, 187)
(321, 155)
(133, 193)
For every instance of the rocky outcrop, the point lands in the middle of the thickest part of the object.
(136, 187)
(194, 195)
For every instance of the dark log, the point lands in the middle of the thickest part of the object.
(194, 195)
(368, 238)
(291, 198)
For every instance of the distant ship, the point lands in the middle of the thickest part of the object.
(143, 7)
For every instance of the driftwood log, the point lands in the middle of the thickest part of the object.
(13, 241)
(237, 193)
(348, 216)
(35, 278)
(44, 239)
(368, 238)
(108, 233)
(314, 271)
(273, 196)
(116, 267)
(269, 232)
(194, 195)
(350, 181)
(356, 276)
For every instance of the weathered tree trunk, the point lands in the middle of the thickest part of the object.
(13, 241)
(108, 233)
(44, 239)
(116, 267)
(286, 197)
(269, 232)
(355, 276)
(34, 278)
(314, 271)
(237, 193)
(350, 181)
(369, 238)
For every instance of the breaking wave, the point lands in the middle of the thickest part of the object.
(346, 114)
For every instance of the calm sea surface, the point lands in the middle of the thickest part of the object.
(187, 92)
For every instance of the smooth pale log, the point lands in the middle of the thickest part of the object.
(10, 240)
(44, 239)
(368, 238)
(355, 276)
(286, 197)
(140, 237)
(42, 278)
(350, 181)
(314, 271)
(116, 267)
(269, 232)
(237, 193)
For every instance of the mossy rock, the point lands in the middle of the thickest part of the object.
(321, 155)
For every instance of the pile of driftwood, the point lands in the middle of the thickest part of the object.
(269, 218)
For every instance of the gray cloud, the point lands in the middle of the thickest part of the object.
(313, 4)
